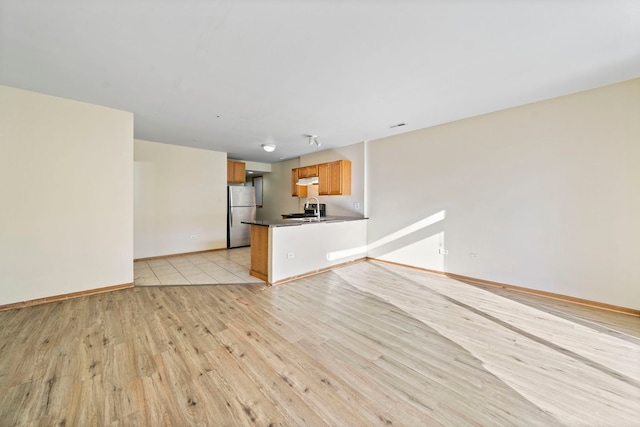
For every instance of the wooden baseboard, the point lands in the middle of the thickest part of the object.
(54, 298)
(560, 297)
(181, 254)
(384, 261)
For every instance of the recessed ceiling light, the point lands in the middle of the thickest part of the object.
(268, 147)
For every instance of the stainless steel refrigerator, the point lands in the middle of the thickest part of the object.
(241, 207)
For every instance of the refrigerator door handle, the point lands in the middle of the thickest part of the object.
(230, 207)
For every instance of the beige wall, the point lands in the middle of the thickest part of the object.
(547, 195)
(180, 199)
(276, 191)
(66, 187)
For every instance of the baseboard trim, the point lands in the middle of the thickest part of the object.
(551, 295)
(180, 254)
(71, 295)
(384, 261)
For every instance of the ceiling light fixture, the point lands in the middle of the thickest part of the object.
(268, 147)
(313, 139)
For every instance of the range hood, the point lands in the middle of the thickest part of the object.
(307, 181)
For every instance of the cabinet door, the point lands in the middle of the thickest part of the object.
(239, 172)
(345, 177)
(235, 171)
(308, 171)
(334, 178)
(297, 190)
(323, 179)
(230, 171)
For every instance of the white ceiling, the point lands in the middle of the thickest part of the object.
(232, 75)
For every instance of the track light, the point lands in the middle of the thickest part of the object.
(313, 139)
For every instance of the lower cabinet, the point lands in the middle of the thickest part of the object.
(260, 252)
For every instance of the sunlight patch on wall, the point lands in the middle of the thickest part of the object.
(403, 232)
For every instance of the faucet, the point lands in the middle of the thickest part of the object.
(316, 210)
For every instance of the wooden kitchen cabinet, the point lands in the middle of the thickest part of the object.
(260, 252)
(334, 178)
(308, 171)
(235, 171)
(297, 190)
(323, 179)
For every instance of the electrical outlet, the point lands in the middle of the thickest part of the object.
(356, 205)
(443, 251)
(291, 255)
(474, 255)
(194, 236)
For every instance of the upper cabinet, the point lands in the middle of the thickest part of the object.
(334, 179)
(235, 171)
(297, 190)
(308, 171)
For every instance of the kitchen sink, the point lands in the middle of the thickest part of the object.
(313, 219)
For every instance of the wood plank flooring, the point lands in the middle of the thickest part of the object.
(363, 345)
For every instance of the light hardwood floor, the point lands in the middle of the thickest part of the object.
(366, 344)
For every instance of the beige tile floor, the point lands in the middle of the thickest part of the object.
(207, 268)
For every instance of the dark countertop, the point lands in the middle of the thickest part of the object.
(300, 215)
(302, 221)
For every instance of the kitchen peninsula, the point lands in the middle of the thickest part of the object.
(283, 249)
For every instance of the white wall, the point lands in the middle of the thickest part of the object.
(340, 205)
(547, 195)
(180, 192)
(66, 191)
(257, 166)
(314, 247)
